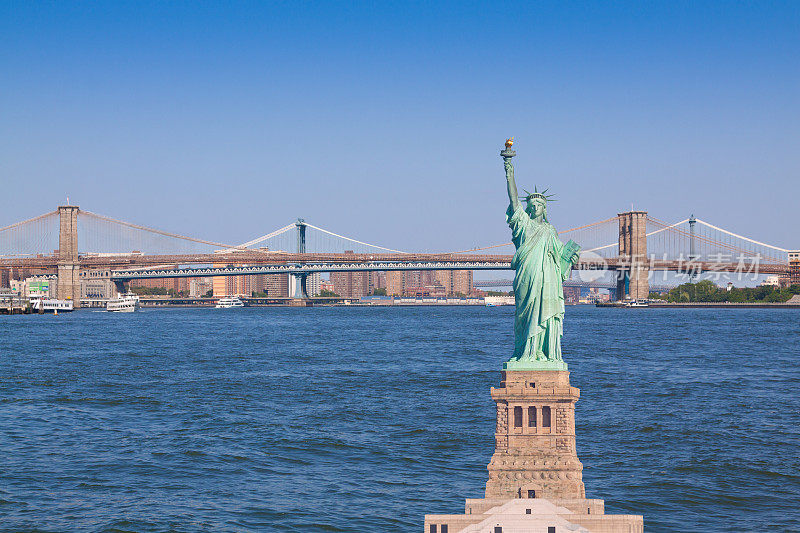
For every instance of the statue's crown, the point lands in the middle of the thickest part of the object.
(537, 194)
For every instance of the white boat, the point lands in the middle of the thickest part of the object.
(123, 303)
(229, 302)
(638, 303)
(51, 305)
(492, 301)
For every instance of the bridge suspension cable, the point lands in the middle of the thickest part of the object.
(587, 226)
(741, 237)
(674, 230)
(353, 240)
(34, 219)
(666, 227)
(263, 238)
(31, 237)
(158, 231)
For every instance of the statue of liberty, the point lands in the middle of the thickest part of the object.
(542, 263)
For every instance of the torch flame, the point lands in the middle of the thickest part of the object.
(509, 143)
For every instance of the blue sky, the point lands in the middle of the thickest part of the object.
(383, 121)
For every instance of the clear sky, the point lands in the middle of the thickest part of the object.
(383, 121)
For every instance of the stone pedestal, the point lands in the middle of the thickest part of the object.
(535, 477)
(535, 454)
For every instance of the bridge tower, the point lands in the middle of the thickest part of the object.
(297, 282)
(694, 274)
(632, 281)
(69, 283)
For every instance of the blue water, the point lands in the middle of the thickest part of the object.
(357, 419)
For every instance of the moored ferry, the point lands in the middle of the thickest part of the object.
(493, 301)
(123, 303)
(229, 302)
(51, 305)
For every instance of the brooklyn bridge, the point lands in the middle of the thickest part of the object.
(70, 244)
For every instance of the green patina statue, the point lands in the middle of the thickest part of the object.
(542, 263)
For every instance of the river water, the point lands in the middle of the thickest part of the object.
(359, 419)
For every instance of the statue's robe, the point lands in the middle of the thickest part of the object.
(538, 288)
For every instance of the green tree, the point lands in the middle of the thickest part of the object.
(149, 291)
(707, 291)
(379, 292)
(324, 293)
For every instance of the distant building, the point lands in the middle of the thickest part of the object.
(313, 282)
(198, 287)
(277, 285)
(377, 280)
(771, 281)
(230, 285)
(97, 285)
(572, 295)
(351, 284)
(34, 286)
(794, 266)
(431, 283)
(395, 283)
(455, 281)
(326, 285)
(176, 285)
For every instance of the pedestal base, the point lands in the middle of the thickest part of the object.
(534, 365)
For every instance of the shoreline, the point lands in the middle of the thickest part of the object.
(714, 305)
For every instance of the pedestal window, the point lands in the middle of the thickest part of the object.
(518, 417)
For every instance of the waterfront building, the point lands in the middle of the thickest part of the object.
(794, 266)
(572, 295)
(34, 286)
(313, 282)
(198, 287)
(176, 285)
(395, 283)
(277, 285)
(777, 281)
(413, 284)
(326, 285)
(351, 284)
(230, 285)
(455, 281)
(428, 283)
(377, 280)
(274, 285)
(97, 285)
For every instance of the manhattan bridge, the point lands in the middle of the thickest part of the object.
(70, 243)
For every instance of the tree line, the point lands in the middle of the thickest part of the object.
(708, 291)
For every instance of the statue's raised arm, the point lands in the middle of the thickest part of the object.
(507, 154)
